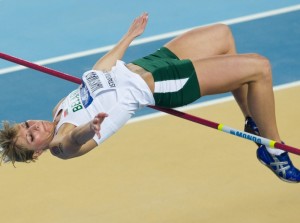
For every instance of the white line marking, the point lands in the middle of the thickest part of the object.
(165, 36)
(206, 104)
(153, 38)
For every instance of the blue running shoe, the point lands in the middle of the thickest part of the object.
(281, 165)
(251, 127)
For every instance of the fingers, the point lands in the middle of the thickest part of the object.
(143, 18)
(144, 15)
(96, 123)
(100, 117)
(138, 26)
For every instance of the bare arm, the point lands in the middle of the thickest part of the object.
(136, 29)
(78, 141)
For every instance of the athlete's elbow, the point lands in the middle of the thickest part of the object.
(61, 155)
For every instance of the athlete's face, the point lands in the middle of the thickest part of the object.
(35, 134)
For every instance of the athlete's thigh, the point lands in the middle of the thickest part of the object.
(203, 42)
(228, 72)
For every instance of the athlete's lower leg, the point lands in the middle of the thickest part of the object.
(240, 96)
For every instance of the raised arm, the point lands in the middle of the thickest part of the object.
(79, 140)
(136, 29)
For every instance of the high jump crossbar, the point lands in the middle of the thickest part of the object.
(214, 125)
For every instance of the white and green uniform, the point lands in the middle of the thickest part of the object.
(119, 93)
(176, 82)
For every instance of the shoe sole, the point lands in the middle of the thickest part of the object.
(281, 178)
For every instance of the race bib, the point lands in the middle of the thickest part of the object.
(98, 81)
(95, 83)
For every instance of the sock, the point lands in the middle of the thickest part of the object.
(274, 151)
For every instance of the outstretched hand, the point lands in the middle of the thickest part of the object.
(96, 123)
(138, 25)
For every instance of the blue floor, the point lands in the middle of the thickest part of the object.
(29, 94)
(37, 30)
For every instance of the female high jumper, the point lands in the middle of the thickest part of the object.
(200, 62)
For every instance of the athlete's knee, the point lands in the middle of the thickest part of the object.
(226, 36)
(263, 66)
(222, 28)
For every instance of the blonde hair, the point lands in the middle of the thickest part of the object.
(10, 150)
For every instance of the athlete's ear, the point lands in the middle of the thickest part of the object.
(37, 153)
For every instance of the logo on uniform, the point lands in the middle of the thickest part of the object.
(85, 95)
(66, 112)
(109, 79)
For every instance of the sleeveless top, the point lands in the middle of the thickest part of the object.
(119, 93)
